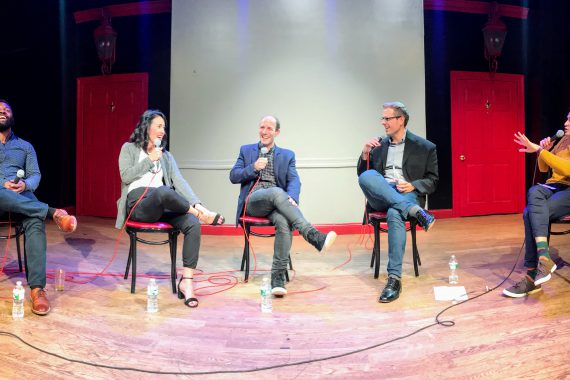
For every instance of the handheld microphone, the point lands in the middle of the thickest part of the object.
(558, 135)
(157, 143)
(263, 151)
(19, 175)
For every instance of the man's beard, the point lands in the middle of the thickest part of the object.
(8, 123)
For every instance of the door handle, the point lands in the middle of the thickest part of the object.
(462, 158)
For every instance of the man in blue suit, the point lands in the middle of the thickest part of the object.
(270, 187)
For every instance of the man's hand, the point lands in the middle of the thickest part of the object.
(404, 187)
(260, 164)
(17, 187)
(292, 201)
(370, 144)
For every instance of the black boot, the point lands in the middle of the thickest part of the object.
(320, 240)
(278, 282)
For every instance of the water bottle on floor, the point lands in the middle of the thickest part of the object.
(152, 296)
(265, 290)
(18, 296)
(453, 265)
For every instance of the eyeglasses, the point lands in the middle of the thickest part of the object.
(384, 118)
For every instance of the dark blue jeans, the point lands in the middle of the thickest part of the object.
(383, 196)
(543, 205)
(26, 207)
(165, 204)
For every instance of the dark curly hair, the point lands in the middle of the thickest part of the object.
(140, 135)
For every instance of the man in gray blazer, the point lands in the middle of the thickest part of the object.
(395, 174)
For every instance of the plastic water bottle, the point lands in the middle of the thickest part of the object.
(18, 295)
(265, 290)
(152, 296)
(453, 265)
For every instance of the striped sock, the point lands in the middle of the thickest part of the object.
(542, 248)
(531, 272)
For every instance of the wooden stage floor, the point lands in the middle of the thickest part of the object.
(332, 317)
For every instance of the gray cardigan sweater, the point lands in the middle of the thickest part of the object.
(131, 169)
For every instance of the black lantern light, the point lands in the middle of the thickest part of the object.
(105, 42)
(494, 33)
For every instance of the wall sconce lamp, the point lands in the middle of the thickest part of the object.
(105, 42)
(494, 33)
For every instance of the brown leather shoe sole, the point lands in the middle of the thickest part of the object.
(65, 222)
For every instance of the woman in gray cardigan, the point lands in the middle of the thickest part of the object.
(153, 189)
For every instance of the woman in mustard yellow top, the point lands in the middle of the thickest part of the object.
(545, 202)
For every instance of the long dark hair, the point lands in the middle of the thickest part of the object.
(140, 135)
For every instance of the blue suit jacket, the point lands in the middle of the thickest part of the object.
(244, 173)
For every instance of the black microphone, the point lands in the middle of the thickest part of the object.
(19, 175)
(554, 138)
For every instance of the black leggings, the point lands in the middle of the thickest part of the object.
(166, 205)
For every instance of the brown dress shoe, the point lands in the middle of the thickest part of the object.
(40, 303)
(65, 222)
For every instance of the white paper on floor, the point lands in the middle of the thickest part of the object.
(450, 293)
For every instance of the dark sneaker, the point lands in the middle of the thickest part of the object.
(425, 219)
(522, 288)
(544, 271)
(321, 241)
(278, 282)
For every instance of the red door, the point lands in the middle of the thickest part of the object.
(108, 108)
(487, 168)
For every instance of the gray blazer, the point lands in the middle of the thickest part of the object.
(131, 169)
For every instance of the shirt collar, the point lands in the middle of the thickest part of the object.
(260, 145)
(403, 139)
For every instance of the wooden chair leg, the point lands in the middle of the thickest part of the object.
(18, 250)
(130, 255)
(134, 262)
(25, 259)
(246, 251)
(415, 253)
(173, 243)
(376, 250)
(245, 248)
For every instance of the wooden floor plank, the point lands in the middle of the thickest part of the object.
(330, 311)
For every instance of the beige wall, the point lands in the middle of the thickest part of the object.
(323, 67)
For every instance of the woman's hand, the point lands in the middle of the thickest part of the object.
(529, 146)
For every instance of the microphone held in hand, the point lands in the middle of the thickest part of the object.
(263, 151)
(557, 136)
(19, 175)
(157, 143)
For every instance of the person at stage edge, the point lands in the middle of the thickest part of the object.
(18, 203)
(395, 174)
(153, 190)
(270, 187)
(545, 202)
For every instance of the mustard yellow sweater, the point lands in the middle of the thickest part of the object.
(559, 163)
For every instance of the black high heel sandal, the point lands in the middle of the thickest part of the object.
(182, 296)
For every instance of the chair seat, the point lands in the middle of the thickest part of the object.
(377, 215)
(564, 219)
(149, 226)
(256, 220)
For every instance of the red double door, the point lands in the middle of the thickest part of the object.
(487, 168)
(108, 109)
